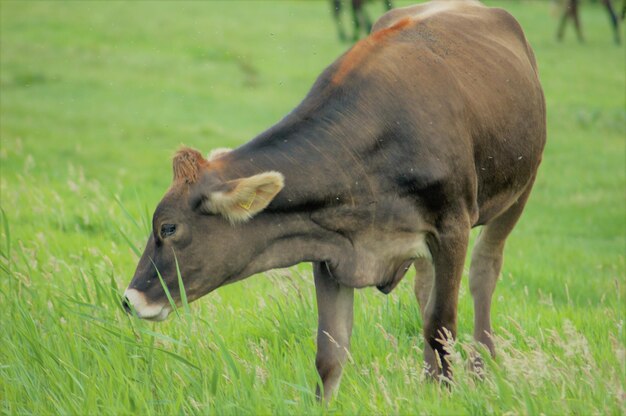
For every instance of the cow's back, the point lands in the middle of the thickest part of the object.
(465, 80)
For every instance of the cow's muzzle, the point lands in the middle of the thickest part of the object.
(136, 301)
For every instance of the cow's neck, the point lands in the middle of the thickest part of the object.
(359, 257)
(318, 154)
(286, 239)
(332, 208)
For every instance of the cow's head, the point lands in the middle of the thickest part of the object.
(197, 233)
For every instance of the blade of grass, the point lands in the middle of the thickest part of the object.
(306, 390)
(181, 287)
(167, 291)
(178, 357)
(7, 236)
(229, 359)
(161, 337)
(214, 380)
(114, 293)
(83, 285)
(130, 217)
(147, 218)
(121, 337)
(130, 243)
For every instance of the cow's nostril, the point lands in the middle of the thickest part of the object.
(126, 304)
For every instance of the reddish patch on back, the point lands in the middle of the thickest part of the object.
(357, 54)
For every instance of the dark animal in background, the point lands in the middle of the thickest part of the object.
(571, 12)
(360, 18)
(432, 125)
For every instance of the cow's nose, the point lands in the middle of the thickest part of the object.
(126, 304)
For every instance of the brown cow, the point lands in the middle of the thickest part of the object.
(570, 11)
(432, 125)
(360, 18)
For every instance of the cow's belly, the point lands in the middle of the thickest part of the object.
(496, 205)
(504, 175)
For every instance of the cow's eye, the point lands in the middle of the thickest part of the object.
(167, 230)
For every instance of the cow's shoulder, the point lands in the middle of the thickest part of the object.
(428, 10)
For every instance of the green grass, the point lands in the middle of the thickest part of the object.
(96, 96)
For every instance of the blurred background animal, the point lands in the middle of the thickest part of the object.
(571, 12)
(360, 19)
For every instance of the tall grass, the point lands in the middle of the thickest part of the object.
(96, 96)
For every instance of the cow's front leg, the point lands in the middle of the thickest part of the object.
(334, 309)
(424, 277)
(448, 259)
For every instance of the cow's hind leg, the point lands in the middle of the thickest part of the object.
(360, 19)
(334, 309)
(486, 264)
(337, 6)
(424, 276)
(570, 12)
(614, 20)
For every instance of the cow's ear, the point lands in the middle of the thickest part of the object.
(246, 197)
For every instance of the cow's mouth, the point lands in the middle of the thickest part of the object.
(135, 302)
(161, 316)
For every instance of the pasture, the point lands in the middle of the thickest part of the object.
(94, 99)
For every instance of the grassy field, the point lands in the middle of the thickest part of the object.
(95, 98)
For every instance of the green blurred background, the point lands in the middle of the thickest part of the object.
(94, 99)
